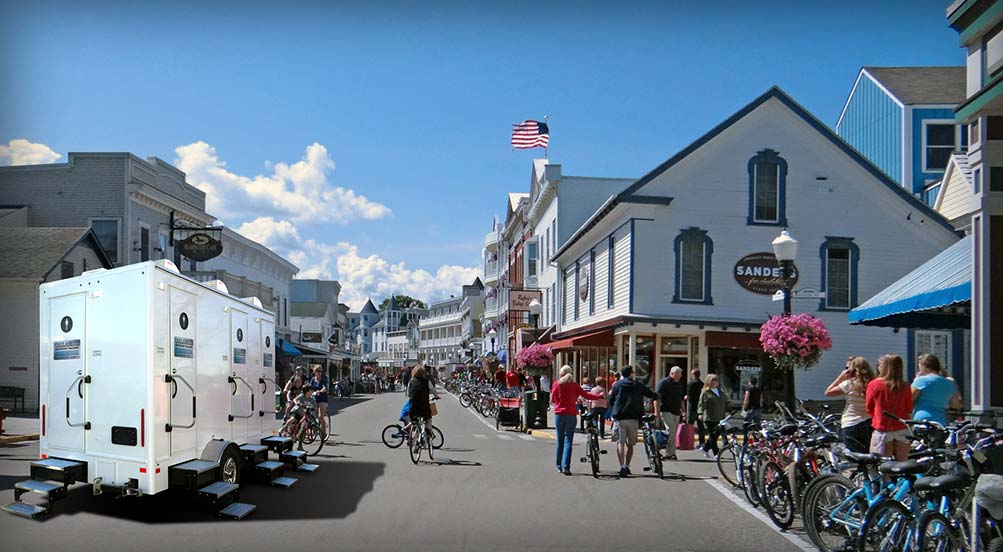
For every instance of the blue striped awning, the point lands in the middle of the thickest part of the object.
(924, 297)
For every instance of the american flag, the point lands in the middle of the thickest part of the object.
(530, 134)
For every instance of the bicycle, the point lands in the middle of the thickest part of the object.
(313, 434)
(592, 444)
(651, 449)
(394, 435)
(419, 440)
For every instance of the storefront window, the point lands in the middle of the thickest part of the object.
(645, 356)
(735, 366)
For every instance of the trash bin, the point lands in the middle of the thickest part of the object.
(535, 409)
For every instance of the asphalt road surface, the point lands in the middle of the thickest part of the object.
(487, 490)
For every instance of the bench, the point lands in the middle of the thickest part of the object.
(13, 394)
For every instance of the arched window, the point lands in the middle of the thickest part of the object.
(767, 189)
(694, 249)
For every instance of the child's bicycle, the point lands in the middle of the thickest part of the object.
(313, 434)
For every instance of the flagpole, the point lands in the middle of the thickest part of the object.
(545, 154)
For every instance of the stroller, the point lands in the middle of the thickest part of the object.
(510, 412)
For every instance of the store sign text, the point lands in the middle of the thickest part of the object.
(760, 273)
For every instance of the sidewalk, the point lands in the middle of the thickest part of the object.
(19, 428)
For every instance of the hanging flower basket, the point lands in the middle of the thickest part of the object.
(536, 358)
(795, 341)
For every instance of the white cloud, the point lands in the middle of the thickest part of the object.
(360, 276)
(300, 192)
(22, 152)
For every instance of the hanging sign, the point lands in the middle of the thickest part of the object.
(760, 273)
(200, 247)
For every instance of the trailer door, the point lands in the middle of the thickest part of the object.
(183, 410)
(268, 389)
(242, 391)
(254, 375)
(67, 372)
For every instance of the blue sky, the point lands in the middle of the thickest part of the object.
(412, 102)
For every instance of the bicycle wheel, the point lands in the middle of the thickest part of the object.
(776, 495)
(428, 443)
(393, 436)
(414, 443)
(317, 439)
(935, 534)
(594, 453)
(750, 484)
(437, 438)
(656, 457)
(727, 464)
(887, 527)
(830, 519)
(465, 400)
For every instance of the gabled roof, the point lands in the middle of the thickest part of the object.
(514, 198)
(369, 308)
(922, 85)
(631, 195)
(31, 253)
(958, 163)
(308, 309)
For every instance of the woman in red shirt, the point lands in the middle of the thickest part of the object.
(889, 392)
(564, 396)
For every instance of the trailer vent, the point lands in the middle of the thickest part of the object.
(124, 436)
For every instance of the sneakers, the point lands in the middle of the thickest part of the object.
(566, 472)
(709, 454)
(623, 472)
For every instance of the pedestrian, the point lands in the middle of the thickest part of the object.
(564, 396)
(405, 378)
(320, 385)
(855, 423)
(500, 377)
(671, 391)
(512, 383)
(932, 393)
(752, 402)
(627, 400)
(713, 408)
(889, 392)
(598, 407)
(692, 399)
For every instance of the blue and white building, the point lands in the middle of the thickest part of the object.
(902, 120)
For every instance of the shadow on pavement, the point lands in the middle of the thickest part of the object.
(332, 492)
(337, 405)
(450, 462)
(7, 481)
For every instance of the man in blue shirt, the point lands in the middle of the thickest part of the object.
(627, 401)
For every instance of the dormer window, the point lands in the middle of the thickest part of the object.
(767, 189)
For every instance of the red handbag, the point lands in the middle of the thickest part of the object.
(684, 437)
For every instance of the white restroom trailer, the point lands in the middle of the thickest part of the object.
(143, 370)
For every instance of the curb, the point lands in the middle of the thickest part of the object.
(7, 439)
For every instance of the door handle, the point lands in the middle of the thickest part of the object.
(80, 389)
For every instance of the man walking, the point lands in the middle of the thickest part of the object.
(671, 391)
(627, 398)
(692, 398)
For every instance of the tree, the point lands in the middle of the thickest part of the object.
(404, 301)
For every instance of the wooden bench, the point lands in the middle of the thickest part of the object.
(13, 394)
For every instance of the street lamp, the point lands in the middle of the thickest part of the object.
(785, 248)
(535, 308)
(492, 334)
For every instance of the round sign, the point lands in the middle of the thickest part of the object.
(240, 334)
(760, 273)
(183, 321)
(268, 341)
(66, 324)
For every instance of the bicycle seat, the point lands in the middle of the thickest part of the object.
(909, 467)
(590, 415)
(941, 484)
(820, 440)
(648, 418)
(862, 458)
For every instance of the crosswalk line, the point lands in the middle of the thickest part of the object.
(527, 438)
(504, 437)
(481, 436)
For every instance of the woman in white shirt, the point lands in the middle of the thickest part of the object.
(852, 383)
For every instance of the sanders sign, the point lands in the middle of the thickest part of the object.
(760, 273)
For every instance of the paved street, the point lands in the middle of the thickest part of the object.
(487, 490)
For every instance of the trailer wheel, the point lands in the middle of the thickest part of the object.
(230, 465)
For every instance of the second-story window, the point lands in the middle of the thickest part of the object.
(693, 248)
(532, 258)
(938, 143)
(767, 189)
(839, 273)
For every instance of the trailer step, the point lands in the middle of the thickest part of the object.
(254, 454)
(270, 469)
(66, 472)
(24, 510)
(237, 510)
(277, 444)
(218, 490)
(284, 482)
(294, 458)
(197, 466)
(193, 474)
(51, 491)
(310, 468)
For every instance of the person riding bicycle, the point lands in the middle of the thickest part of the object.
(294, 387)
(419, 390)
(301, 405)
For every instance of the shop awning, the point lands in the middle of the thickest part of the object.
(602, 338)
(309, 351)
(933, 296)
(287, 349)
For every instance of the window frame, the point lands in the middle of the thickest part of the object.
(117, 258)
(532, 244)
(772, 157)
(574, 293)
(687, 234)
(923, 142)
(840, 242)
(592, 282)
(145, 249)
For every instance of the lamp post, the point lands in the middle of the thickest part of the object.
(535, 308)
(492, 334)
(785, 248)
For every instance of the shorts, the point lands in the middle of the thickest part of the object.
(881, 439)
(628, 431)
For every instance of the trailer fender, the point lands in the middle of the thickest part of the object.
(227, 455)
